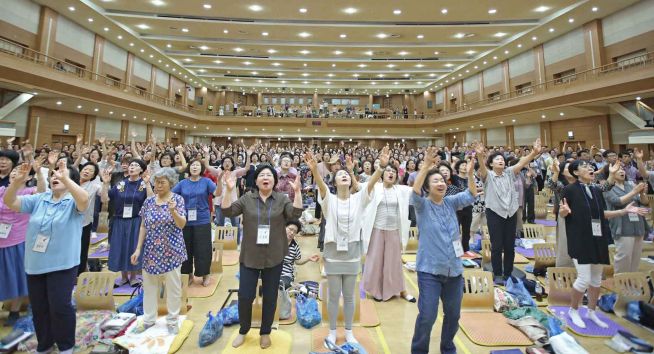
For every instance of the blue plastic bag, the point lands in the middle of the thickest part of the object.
(229, 315)
(516, 288)
(307, 311)
(211, 331)
(607, 302)
(133, 305)
(633, 311)
(26, 324)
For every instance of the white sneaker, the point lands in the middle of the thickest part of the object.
(94, 235)
(576, 319)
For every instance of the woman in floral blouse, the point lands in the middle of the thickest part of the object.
(161, 241)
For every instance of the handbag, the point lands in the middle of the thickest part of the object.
(285, 305)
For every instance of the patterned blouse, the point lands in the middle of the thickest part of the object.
(163, 248)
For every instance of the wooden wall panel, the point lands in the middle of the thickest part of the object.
(19, 35)
(587, 130)
(577, 62)
(63, 52)
(643, 41)
(44, 123)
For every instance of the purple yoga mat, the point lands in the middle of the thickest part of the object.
(100, 254)
(591, 330)
(99, 238)
(546, 222)
(125, 289)
(529, 253)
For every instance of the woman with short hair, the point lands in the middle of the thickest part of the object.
(161, 245)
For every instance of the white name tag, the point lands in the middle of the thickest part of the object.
(192, 215)
(127, 211)
(597, 227)
(5, 229)
(458, 248)
(633, 217)
(342, 244)
(263, 235)
(41, 244)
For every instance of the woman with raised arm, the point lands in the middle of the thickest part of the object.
(385, 235)
(502, 205)
(343, 215)
(52, 248)
(438, 262)
(264, 245)
(588, 231)
(128, 196)
(13, 226)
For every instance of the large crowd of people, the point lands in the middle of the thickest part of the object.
(162, 199)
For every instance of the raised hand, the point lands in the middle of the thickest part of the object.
(22, 173)
(564, 209)
(430, 157)
(615, 167)
(62, 171)
(171, 205)
(205, 149)
(349, 165)
(384, 157)
(229, 179)
(470, 168)
(297, 184)
(537, 146)
(79, 139)
(640, 187)
(52, 158)
(11, 140)
(37, 163)
(632, 208)
(134, 134)
(146, 176)
(638, 154)
(555, 168)
(310, 160)
(106, 175)
(102, 139)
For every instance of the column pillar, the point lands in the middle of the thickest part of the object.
(98, 53)
(506, 77)
(510, 138)
(89, 129)
(539, 64)
(483, 136)
(128, 70)
(594, 44)
(481, 85)
(124, 131)
(45, 39)
(153, 79)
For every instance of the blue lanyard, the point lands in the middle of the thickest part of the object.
(599, 209)
(133, 194)
(269, 209)
(49, 216)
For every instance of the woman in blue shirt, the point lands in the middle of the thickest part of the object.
(439, 250)
(52, 248)
(128, 196)
(197, 233)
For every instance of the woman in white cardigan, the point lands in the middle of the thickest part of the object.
(385, 234)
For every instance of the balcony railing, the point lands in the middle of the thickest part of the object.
(25, 53)
(61, 66)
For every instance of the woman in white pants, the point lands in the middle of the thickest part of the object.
(161, 241)
(343, 215)
(583, 208)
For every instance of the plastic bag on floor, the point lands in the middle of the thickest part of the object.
(211, 331)
(607, 302)
(307, 311)
(229, 315)
(285, 305)
(561, 341)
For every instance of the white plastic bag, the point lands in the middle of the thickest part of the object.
(564, 343)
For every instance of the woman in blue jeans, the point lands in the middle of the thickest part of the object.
(439, 250)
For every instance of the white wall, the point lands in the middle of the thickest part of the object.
(471, 84)
(162, 78)
(493, 75)
(159, 133)
(564, 47)
(439, 97)
(20, 115)
(620, 128)
(23, 14)
(627, 23)
(526, 134)
(114, 56)
(472, 135)
(140, 129)
(110, 128)
(75, 36)
(496, 137)
(521, 64)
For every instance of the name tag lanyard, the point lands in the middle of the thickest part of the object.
(192, 209)
(131, 205)
(263, 231)
(342, 241)
(42, 240)
(590, 210)
(457, 247)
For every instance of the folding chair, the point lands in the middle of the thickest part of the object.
(544, 255)
(217, 258)
(227, 235)
(630, 287)
(412, 243)
(478, 292)
(540, 208)
(560, 280)
(533, 231)
(95, 291)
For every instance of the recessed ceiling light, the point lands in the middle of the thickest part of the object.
(143, 26)
(506, 52)
(131, 44)
(255, 8)
(492, 11)
(380, 75)
(207, 6)
(218, 61)
(330, 75)
(106, 29)
(111, 112)
(238, 49)
(304, 34)
(368, 52)
(362, 65)
(513, 120)
(188, 60)
(551, 30)
(420, 36)
(247, 63)
(638, 98)
(403, 53)
(499, 34)
(119, 37)
(561, 114)
(397, 12)
(304, 64)
(390, 65)
(373, 83)
(237, 80)
(203, 47)
(420, 65)
(305, 52)
(338, 52)
(96, 109)
(571, 20)
(355, 75)
(90, 19)
(448, 65)
(594, 9)
(254, 73)
(305, 74)
(264, 34)
(476, 67)
(79, 107)
(470, 52)
(459, 35)
(519, 45)
(71, 8)
(541, 8)
(443, 11)
(303, 10)
(225, 31)
(543, 116)
(275, 64)
(185, 30)
(382, 35)
(280, 74)
(157, 3)
(350, 10)
(272, 51)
